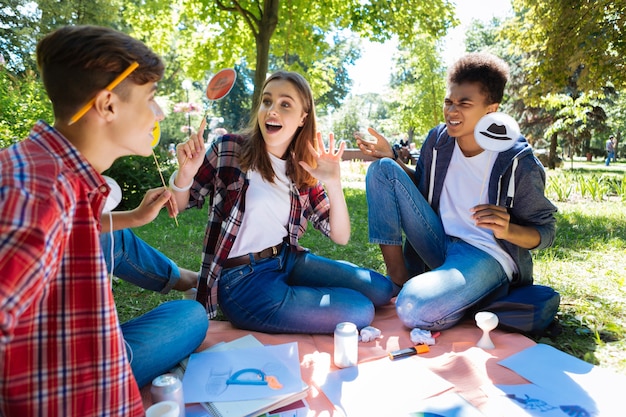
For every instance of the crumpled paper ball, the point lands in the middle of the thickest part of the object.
(369, 333)
(419, 336)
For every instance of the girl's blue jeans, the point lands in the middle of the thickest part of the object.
(448, 275)
(298, 292)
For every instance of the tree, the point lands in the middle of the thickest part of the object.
(253, 30)
(564, 37)
(573, 120)
(420, 86)
(23, 22)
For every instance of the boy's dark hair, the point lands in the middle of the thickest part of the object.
(78, 61)
(488, 70)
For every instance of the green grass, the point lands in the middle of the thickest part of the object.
(586, 264)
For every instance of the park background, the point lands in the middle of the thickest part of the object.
(382, 64)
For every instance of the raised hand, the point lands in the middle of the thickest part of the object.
(381, 148)
(328, 161)
(190, 154)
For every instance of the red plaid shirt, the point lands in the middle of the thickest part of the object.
(61, 347)
(221, 180)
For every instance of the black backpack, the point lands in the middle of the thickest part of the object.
(529, 309)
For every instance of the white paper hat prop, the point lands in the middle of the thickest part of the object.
(115, 196)
(496, 132)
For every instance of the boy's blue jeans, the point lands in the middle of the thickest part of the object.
(137, 262)
(459, 274)
(159, 339)
(298, 292)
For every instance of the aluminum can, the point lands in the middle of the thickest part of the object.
(168, 387)
(346, 345)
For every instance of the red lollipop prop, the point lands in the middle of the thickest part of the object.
(221, 84)
(218, 88)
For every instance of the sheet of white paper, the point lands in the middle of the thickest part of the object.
(574, 381)
(449, 404)
(243, 342)
(208, 371)
(382, 387)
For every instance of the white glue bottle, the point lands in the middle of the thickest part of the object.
(346, 345)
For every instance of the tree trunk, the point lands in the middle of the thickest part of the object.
(411, 134)
(267, 26)
(552, 155)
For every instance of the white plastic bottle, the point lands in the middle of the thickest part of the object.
(346, 345)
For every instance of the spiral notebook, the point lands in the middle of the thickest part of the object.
(257, 406)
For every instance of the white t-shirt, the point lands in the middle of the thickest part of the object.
(266, 217)
(466, 185)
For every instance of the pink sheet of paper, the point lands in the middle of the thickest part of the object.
(454, 356)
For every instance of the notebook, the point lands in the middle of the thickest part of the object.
(236, 407)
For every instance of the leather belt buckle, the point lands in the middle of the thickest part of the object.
(274, 251)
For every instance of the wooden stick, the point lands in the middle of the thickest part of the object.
(163, 181)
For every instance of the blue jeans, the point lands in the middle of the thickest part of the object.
(448, 275)
(139, 263)
(298, 292)
(610, 157)
(159, 339)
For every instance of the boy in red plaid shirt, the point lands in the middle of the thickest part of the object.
(62, 350)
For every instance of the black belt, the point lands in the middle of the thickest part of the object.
(270, 252)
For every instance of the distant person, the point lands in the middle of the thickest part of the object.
(264, 186)
(469, 216)
(610, 150)
(62, 350)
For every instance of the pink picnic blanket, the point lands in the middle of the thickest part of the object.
(454, 356)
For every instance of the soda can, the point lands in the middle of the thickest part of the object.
(168, 387)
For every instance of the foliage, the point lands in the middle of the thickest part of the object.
(567, 38)
(23, 101)
(23, 22)
(331, 82)
(574, 185)
(574, 117)
(419, 85)
(254, 31)
(360, 112)
(616, 114)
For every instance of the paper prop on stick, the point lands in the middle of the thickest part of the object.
(496, 132)
(221, 84)
(156, 136)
